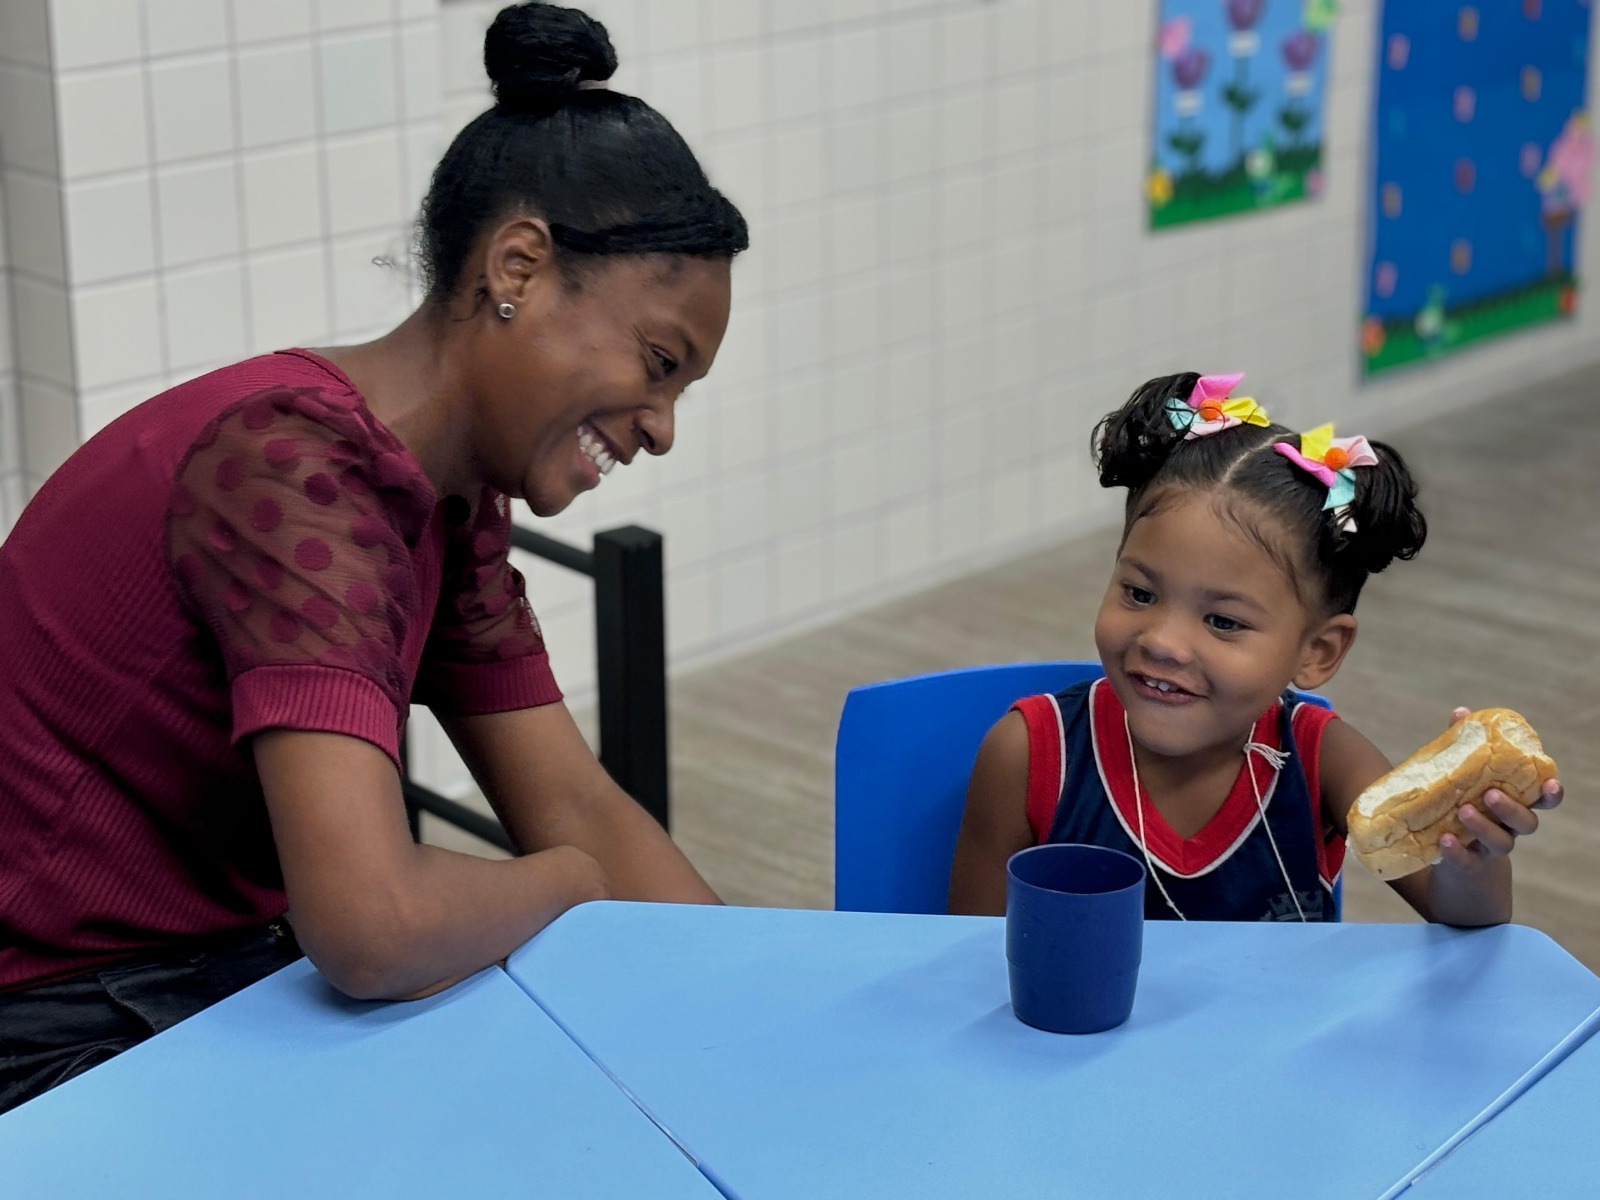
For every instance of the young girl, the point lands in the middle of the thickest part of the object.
(1244, 549)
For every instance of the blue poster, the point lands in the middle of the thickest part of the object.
(1481, 162)
(1238, 107)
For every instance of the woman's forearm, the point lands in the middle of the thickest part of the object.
(446, 916)
(548, 790)
(639, 860)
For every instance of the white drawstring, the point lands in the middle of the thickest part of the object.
(1275, 758)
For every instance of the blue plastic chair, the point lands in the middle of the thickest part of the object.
(901, 762)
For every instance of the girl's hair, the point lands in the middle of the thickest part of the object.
(1138, 448)
(605, 170)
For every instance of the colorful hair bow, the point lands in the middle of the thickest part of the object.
(1208, 409)
(1332, 461)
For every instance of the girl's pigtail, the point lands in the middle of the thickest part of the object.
(1388, 523)
(1133, 443)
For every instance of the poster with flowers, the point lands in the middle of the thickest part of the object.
(1481, 162)
(1238, 106)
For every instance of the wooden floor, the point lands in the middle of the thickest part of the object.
(1502, 608)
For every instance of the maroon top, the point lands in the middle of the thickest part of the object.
(249, 550)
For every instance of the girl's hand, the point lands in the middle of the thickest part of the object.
(1496, 824)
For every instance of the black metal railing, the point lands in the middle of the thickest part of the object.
(631, 659)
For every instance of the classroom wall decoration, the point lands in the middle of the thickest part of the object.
(1481, 162)
(1238, 108)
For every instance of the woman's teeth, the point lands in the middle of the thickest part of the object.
(591, 444)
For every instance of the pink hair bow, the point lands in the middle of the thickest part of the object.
(1209, 409)
(1331, 461)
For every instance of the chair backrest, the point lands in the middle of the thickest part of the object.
(901, 762)
(900, 770)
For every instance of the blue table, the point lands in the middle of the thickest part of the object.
(290, 1090)
(817, 1054)
(1543, 1144)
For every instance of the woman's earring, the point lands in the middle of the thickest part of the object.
(507, 310)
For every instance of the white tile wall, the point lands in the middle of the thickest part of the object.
(950, 283)
(950, 280)
(27, 164)
(230, 171)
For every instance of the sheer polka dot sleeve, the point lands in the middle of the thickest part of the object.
(485, 652)
(290, 533)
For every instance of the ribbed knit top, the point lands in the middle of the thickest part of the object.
(249, 550)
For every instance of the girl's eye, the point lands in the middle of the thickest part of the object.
(1222, 624)
(665, 361)
(1139, 595)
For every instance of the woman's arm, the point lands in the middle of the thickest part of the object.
(379, 915)
(548, 790)
(995, 823)
(1471, 884)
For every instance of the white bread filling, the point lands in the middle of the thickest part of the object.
(1425, 771)
(1519, 735)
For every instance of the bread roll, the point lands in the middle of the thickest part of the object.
(1396, 824)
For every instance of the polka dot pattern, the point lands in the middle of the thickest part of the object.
(284, 545)
(368, 532)
(266, 515)
(488, 617)
(282, 453)
(298, 531)
(313, 554)
(363, 597)
(321, 488)
(320, 612)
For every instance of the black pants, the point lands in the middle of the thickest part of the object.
(49, 1034)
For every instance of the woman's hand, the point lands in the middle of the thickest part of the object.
(1496, 825)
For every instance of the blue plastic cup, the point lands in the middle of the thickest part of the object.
(1074, 936)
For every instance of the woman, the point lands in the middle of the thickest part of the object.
(217, 612)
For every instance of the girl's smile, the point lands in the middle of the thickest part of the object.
(1200, 628)
(1159, 690)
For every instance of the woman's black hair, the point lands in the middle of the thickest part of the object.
(605, 170)
(1139, 448)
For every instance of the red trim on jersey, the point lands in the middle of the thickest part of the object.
(1221, 835)
(1308, 723)
(1046, 746)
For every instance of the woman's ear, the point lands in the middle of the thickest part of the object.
(1324, 649)
(518, 257)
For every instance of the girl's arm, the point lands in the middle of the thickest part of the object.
(548, 790)
(380, 916)
(1471, 884)
(995, 823)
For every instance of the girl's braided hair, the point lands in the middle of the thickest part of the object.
(1138, 448)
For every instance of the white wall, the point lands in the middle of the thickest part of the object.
(950, 280)
(30, 222)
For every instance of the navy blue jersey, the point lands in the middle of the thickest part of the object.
(1081, 789)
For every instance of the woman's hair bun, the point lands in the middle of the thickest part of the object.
(537, 54)
(1133, 443)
